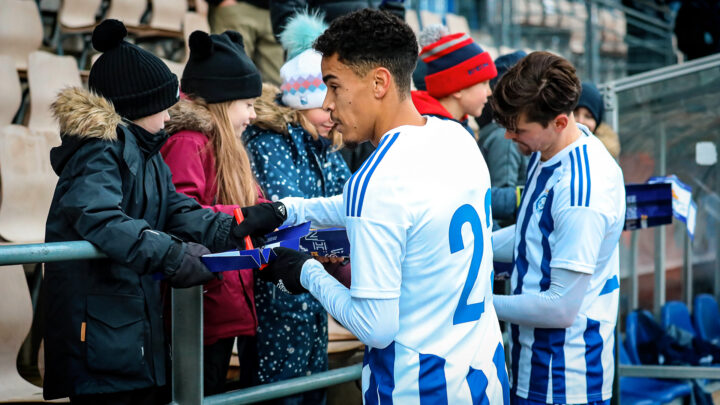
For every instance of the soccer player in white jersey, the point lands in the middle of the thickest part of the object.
(417, 215)
(565, 243)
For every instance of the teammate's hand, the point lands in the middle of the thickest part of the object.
(285, 270)
(259, 220)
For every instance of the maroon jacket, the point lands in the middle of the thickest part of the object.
(228, 305)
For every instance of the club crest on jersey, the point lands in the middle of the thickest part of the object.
(540, 203)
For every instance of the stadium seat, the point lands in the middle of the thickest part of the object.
(47, 75)
(706, 318)
(76, 17)
(676, 313)
(10, 90)
(201, 7)
(130, 12)
(411, 18)
(193, 22)
(519, 12)
(646, 391)
(16, 315)
(27, 186)
(457, 23)
(535, 13)
(168, 15)
(21, 30)
(577, 28)
(635, 335)
(430, 18)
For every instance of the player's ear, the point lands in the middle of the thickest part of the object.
(381, 82)
(561, 122)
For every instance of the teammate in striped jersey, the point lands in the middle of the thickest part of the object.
(565, 244)
(417, 214)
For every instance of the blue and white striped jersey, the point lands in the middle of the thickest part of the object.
(571, 216)
(417, 214)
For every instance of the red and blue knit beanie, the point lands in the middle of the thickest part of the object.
(455, 62)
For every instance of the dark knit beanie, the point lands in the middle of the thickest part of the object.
(219, 70)
(504, 63)
(137, 82)
(591, 99)
(455, 62)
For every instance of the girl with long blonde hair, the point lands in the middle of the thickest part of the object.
(293, 144)
(209, 163)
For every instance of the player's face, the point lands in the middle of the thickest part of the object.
(583, 116)
(532, 136)
(473, 98)
(349, 100)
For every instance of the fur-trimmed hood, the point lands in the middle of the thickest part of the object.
(270, 115)
(85, 115)
(190, 116)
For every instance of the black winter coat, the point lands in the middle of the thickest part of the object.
(104, 327)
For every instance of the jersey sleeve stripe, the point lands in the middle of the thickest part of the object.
(572, 180)
(611, 285)
(593, 361)
(580, 175)
(431, 382)
(372, 170)
(587, 175)
(355, 179)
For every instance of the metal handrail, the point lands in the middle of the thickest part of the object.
(187, 327)
(49, 252)
(287, 387)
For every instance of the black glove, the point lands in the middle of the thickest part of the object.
(259, 220)
(285, 270)
(191, 271)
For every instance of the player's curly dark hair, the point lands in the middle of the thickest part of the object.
(541, 86)
(366, 39)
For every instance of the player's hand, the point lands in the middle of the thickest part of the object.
(259, 220)
(285, 270)
(329, 259)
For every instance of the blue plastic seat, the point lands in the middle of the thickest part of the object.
(676, 313)
(635, 336)
(706, 318)
(649, 391)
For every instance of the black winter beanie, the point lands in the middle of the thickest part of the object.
(137, 82)
(219, 70)
(591, 99)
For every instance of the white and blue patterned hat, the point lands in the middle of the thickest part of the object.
(302, 84)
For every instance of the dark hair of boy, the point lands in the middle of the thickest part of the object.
(366, 39)
(539, 87)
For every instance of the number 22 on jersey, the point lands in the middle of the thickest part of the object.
(467, 214)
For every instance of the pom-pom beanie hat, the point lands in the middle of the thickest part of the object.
(302, 85)
(219, 70)
(137, 82)
(591, 99)
(455, 62)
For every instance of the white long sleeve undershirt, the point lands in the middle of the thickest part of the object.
(374, 321)
(556, 307)
(503, 243)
